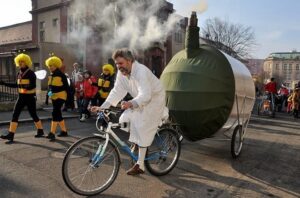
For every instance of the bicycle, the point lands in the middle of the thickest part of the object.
(91, 164)
(267, 105)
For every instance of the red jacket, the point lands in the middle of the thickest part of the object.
(271, 87)
(79, 89)
(283, 91)
(89, 91)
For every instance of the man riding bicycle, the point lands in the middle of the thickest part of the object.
(145, 111)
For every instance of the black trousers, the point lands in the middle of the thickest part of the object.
(28, 100)
(56, 113)
(85, 104)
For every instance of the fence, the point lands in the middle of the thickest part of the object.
(8, 94)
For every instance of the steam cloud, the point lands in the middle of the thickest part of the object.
(121, 23)
(201, 6)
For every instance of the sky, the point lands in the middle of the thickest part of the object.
(275, 22)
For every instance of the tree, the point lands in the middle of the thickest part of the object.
(235, 39)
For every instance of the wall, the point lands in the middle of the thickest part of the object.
(46, 3)
(178, 38)
(52, 34)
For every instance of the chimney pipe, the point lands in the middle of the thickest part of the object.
(192, 35)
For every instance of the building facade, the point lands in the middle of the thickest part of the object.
(12, 39)
(58, 26)
(284, 67)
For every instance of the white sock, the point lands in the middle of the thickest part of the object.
(142, 154)
(133, 148)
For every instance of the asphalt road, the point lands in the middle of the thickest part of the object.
(269, 165)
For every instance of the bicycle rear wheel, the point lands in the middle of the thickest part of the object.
(163, 154)
(83, 174)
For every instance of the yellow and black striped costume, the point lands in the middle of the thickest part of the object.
(105, 83)
(57, 90)
(26, 85)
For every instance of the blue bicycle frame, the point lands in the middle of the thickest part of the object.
(99, 155)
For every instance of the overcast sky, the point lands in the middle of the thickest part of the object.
(275, 22)
(14, 11)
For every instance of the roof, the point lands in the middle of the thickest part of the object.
(285, 55)
(16, 33)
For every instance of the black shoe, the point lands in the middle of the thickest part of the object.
(9, 142)
(9, 137)
(135, 170)
(51, 136)
(63, 134)
(39, 133)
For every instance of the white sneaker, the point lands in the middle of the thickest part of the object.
(83, 118)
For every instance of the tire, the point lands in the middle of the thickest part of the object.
(273, 110)
(163, 154)
(236, 142)
(259, 108)
(84, 178)
(273, 107)
(273, 114)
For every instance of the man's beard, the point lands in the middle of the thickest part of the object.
(124, 71)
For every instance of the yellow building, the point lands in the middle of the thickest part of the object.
(284, 67)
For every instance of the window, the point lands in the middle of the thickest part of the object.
(178, 37)
(290, 66)
(70, 24)
(297, 66)
(81, 23)
(42, 35)
(277, 66)
(42, 25)
(75, 24)
(55, 22)
(284, 67)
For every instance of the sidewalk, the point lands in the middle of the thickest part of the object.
(43, 113)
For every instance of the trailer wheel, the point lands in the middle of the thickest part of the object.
(237, 141)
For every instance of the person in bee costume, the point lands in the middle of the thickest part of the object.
(105, 83)
(57, 90)
(26, 84)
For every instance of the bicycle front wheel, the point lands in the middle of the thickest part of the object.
(163, 154)
(86, 174)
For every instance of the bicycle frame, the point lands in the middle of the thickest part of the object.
(109, 132)
(271, 106)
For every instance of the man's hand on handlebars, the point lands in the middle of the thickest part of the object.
(95, 109)
(126, 105)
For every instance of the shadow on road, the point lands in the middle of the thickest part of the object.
(264, 164)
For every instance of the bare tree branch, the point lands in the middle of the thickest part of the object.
(234, 39)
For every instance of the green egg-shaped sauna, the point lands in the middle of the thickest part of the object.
(206, 89)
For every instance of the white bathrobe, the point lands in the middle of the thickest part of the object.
(148, 93)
